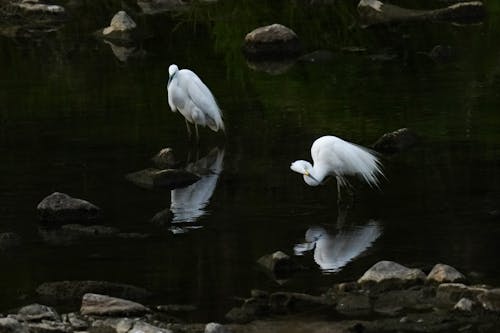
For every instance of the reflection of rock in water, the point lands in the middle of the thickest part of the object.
(333, 252)
(188, 203)
(123, 53)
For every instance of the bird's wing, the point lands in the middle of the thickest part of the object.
(203, 99)
(345, 158)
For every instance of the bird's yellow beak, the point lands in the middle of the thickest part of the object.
(306, 173)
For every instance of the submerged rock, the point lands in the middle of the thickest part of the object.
(9, 240)
(271, 41)
(391, 275)
(372, 12)
(279, 263)
(63, 291)
(69, 234)
(396, 141)
(165, 159)
(443, 273)
(167, 178)
(103, 305)
(61, 208)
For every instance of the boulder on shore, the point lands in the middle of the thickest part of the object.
(62, 208)
(103, 305)
(391, 275)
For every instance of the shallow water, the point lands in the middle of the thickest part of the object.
(76, 119)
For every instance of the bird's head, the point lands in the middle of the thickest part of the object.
(172, 69)
(306, 169)
(315, 233)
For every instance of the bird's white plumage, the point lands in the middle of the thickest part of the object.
(333, 156)
(188, 203)
(333, 252)
(192, 98)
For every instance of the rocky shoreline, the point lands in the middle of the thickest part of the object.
(388, 297)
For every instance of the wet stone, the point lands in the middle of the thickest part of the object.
(167, 178)
(37, 312)
(443, 273)
(390, 275)
(451, 293)
(279, 263)
(271, 41)
(396, 141)
(103, 305)
(11, 325)
(490, 300)
(164, 159)
(62, 208)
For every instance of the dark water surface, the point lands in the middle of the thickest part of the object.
(76, 119)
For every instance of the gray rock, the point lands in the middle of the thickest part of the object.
(61, 208)
(240, 315)
(135, 326)
(9, 240)
(164, 159)
(271, 66)
(64, 291)
(151, 7)
(46, 326)
(451, 293)
(103, 305)
(443, 273)
(396, 141)
(391, 275)
(33, 6)
(77, 322)
(490, 300)
(279, 263)
(271, 40)
(11, 325)
(120, 22)
(37, 312)
(216, 328)
(167, 178)
(373, 12)
(464, 304)
(354, 305)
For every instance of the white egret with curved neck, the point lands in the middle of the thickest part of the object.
(333, 156)
(192, 98)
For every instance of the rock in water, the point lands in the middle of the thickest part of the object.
(443, 273)
(167, 178)
(102, 305)
(164, 159)
(373, 12)
(395, 142)
(391, 275)
(120, 22)
(61, 208)
(271, 41)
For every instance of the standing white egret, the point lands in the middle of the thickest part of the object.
(192, 98)
(333, 156)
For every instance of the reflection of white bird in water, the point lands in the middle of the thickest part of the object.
(333, 156)
(332, 252)
(188, 203)
(192, 98)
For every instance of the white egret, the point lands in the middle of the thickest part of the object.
(333, 252)
(333, 156)
(192, 98)
(188, 203)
